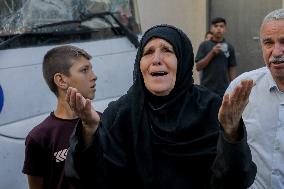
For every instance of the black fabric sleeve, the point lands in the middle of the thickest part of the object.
(232, 58)
(81, 164)
(102, 163)
(233, 167)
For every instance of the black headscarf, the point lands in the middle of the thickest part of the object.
(173, 125)
(182, 48)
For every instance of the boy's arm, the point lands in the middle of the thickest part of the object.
(232, 73)
(35, 182)
(202, 63)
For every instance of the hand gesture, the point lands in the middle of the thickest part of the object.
(232, 108)
(217, 48)
(83, 108)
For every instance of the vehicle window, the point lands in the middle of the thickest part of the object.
(27, 23)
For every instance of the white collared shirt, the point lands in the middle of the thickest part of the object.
(264, 121)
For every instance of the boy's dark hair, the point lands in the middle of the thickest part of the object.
(59, 60)
(208, 32)
(218, 20)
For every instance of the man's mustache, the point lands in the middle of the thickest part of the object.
(276, 60)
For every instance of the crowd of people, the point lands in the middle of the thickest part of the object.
(166, 132)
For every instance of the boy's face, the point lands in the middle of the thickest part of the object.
(82, 77)
(208, 37)
(218, 29)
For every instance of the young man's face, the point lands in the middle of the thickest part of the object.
(82, 77)
(218, 29)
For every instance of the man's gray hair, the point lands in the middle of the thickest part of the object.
(274, 15)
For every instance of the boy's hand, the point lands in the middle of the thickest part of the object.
(217, 48)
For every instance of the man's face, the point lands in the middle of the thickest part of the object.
(82, 77)
(218, 29)
(272, 43)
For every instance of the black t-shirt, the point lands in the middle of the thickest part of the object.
(215, 75)
(46, 150)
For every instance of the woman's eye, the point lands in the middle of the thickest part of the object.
(168, 50)
(147, 52)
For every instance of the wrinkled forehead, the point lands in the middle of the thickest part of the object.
(160, 40)
(169, 34)
(274, 16)
(272, 27)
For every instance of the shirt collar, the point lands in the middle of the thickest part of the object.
(223, 40)
(271, 83)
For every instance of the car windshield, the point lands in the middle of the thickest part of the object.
(41, 22)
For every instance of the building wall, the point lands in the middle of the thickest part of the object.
(189, 15)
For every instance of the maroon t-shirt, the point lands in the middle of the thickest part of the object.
(46, 149)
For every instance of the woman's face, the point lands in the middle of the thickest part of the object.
(159, 67)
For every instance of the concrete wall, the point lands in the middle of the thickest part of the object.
(189, 15)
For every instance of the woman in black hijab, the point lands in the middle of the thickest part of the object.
(164, 132)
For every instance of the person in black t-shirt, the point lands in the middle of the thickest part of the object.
(47, 144)
(216, 60)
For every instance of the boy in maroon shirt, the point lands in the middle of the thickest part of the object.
(47, 143)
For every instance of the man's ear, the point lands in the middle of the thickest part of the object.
(61, 81)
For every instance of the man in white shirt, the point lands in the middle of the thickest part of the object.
(264, 114)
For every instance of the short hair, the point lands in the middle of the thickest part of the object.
(218, 20)
(274, 15)
(208, 32)
(59, 60)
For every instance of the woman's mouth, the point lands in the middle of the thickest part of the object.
(158, 73)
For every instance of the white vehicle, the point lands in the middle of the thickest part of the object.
(25, 99)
